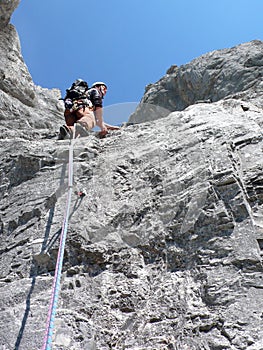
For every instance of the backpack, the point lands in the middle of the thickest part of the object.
(77, 90)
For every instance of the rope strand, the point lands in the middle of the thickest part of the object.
(59, 263)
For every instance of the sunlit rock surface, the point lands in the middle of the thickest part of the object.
(165, 249)
(26, 110)
(229, 73)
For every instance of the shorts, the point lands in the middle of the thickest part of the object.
(83, 115)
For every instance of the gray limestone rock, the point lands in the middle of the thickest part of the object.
(165, 249)
(229, 73)
(7, 7)
(26, 110)
(163, 252)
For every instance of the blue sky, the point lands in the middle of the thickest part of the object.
(127, 44)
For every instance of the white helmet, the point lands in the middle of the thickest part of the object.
(98, 83)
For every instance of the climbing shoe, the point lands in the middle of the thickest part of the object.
(64, 133)
(80, 131)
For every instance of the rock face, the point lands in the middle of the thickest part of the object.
(165, 249)
(229, 73)
(7, 7)
(28, 108)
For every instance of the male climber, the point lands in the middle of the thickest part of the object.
(84, 107)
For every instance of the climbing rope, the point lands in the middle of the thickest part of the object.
(59, 263)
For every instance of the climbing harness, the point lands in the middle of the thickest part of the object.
(59, 263)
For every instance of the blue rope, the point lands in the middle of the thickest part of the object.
(59, 263)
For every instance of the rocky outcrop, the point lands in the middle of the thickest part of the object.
(165, 249)
(229, 73)
(26, 110)
(7, 7)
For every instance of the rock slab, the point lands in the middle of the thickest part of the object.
(165, 249)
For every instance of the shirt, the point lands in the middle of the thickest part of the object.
(95, 96)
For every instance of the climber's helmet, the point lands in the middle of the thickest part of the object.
(98, 84)
(101, 86)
